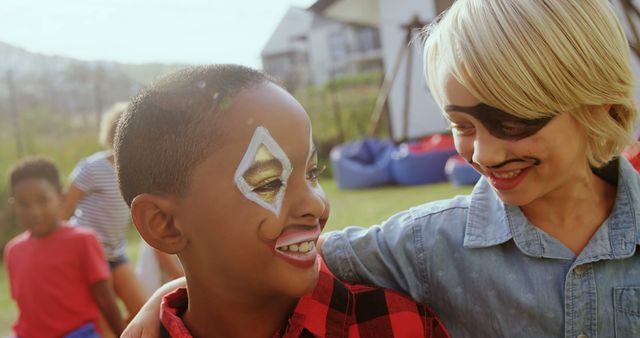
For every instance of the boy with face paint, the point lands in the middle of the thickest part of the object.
(218, 166)
(539, 95)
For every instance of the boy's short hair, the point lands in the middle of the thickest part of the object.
(540, 58)
(109, 123)
(35, 167)
(169, 128)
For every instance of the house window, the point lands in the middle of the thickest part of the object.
(368, 39)
(338, 46)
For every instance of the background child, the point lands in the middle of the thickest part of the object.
(57, 273)
(218, 166)
(93, 200)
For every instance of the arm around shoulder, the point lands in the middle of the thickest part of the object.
(383, 255)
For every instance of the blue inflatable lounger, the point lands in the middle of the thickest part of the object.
(362, 164)
(422, 162)
(460, 172)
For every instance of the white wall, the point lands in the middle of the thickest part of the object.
(320, 57)
(424, 115)
(635, 64)
(635, 60)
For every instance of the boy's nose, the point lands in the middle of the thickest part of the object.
(488, 150)
(309, 203)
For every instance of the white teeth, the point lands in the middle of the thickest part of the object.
(303, 247)
(507, 175)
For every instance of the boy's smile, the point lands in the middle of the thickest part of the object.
(297, 245)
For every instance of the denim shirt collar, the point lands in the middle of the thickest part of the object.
(491, 222)
(487, 223)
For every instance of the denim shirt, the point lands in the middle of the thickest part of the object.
(488, 272)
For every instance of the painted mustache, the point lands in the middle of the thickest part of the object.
(271, 234)
(527, 159)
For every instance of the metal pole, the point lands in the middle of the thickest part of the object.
(13, 110)
(407, 88)
(385, 90)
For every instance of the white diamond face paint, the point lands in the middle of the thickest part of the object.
(311, 147)
(263, 171)
(312, 157)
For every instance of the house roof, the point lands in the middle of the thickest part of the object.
(320, 5)
(291, 32)
(362, 12)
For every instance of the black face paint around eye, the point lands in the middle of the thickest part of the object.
(500, 123)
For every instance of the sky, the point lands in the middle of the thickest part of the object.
(143, 31)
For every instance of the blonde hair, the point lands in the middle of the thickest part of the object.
(109, 123)
(536, 58)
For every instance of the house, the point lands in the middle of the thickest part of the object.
(412, 112)
(286, 54)
(307, 48)
(337, 48)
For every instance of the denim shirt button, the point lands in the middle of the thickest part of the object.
(579, 270)
(582, 335)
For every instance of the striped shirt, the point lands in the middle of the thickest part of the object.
(102, 208)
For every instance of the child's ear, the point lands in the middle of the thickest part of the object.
(153, 216)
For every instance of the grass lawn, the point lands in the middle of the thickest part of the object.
(358, 207)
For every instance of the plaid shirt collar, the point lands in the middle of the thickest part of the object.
(334, 309)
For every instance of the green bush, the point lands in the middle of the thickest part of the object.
(341, 110)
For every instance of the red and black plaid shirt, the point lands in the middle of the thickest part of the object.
(334, 309)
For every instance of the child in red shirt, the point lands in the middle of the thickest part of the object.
(219, 167)
(57, 273)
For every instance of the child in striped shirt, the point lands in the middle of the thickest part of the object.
(93, 200)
